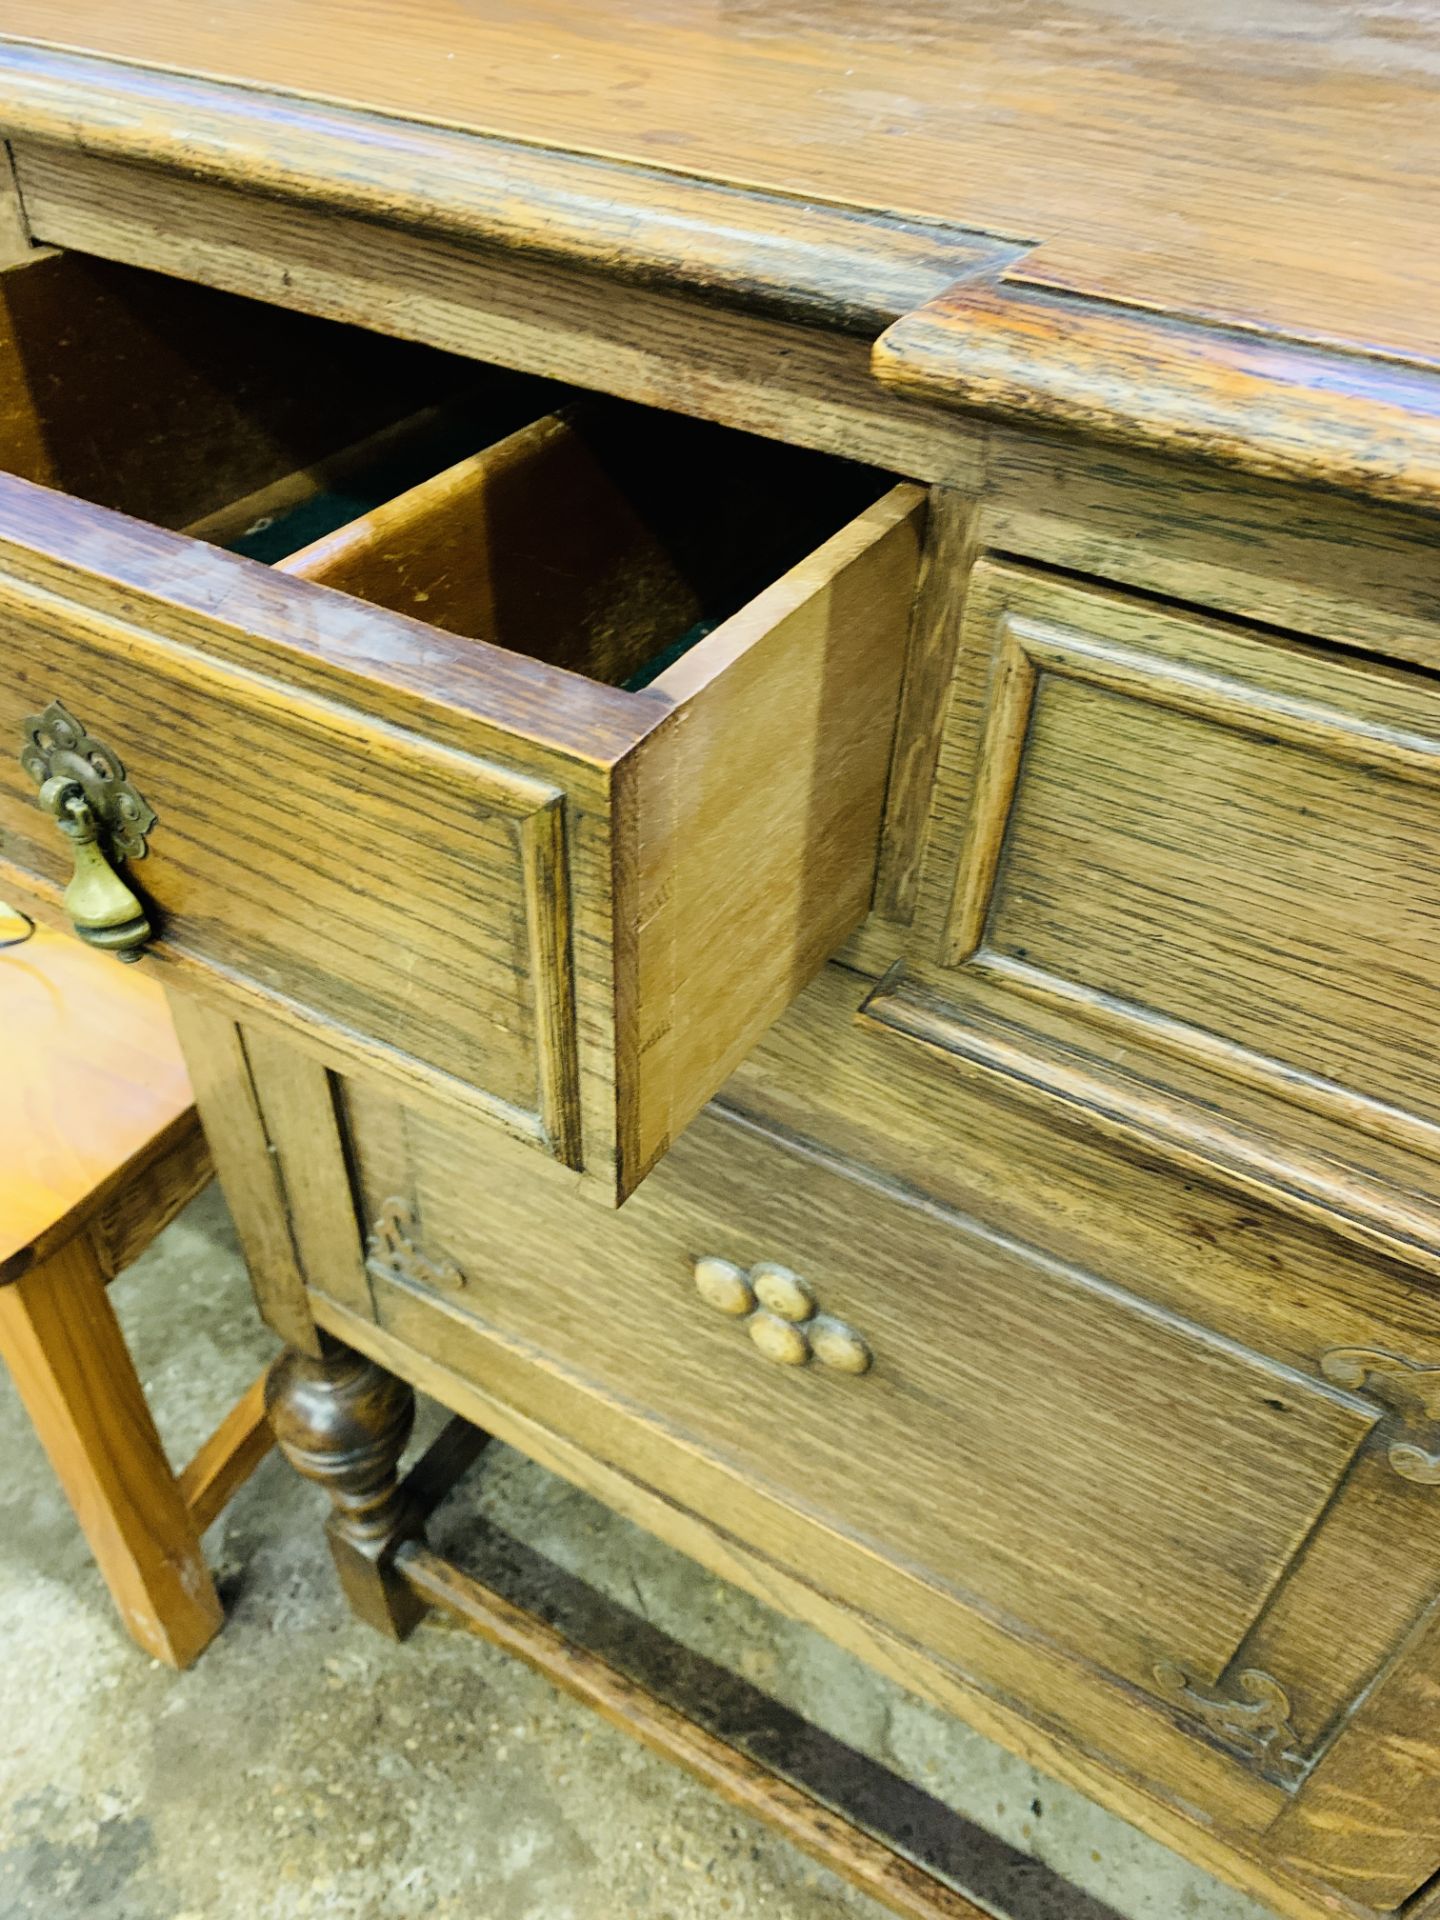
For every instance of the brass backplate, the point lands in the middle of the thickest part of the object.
(57, 746)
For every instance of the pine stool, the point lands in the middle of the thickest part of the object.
(100, 1148)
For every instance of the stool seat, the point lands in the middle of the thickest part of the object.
(100, 1147)
(94, 1089)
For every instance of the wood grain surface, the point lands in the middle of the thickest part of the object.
(1251, 1273)
(225, 1461)
(235, 1130)
(65, 1351)
(100, 1147)
(1139, 149)
(1143, 1131)
(595, 539)
(168, 401)
(17, 247)
(808, 260)
(1369, 1821)
(1216, 992)
(529, 1396)
(754, 813)
(1122, 374)
(1341, 1614)
(559, 897)
(1203, 176)
(95, 1089)
(1086, 1723)
(1031, 1171)
(1161, 1533)
(149, 1199)
(317, 933)
(661, 345)
(1354, 572)
(1306, 888)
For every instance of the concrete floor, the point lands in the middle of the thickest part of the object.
(307, 1767)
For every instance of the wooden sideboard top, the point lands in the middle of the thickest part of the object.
(1235, 206)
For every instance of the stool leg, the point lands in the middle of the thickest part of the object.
(63, 1345)
(342, 1421)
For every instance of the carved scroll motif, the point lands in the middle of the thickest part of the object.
(1254, 1719)
(1410, 1392)
(391, 1253)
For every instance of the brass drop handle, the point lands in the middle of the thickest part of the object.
(84, 790)
(780, 1313)
(102, 909)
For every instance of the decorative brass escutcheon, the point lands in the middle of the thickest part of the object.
(84, 790)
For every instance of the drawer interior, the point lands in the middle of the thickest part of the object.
(204, 412)
(599, 537)
(603, 538)
(304, 504)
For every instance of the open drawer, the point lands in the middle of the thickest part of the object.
(542, 786)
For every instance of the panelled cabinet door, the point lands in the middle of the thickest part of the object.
(1209, 1565)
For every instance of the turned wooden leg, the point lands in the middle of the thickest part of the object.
(343, 1422)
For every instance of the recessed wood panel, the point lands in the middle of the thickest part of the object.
(1212, 844)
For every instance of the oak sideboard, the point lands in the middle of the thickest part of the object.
(767, 681)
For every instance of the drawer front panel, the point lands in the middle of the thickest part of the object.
(1027, 1438)
(1213, 844)
(387, 891)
